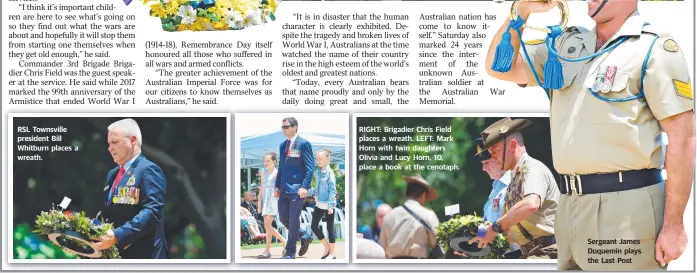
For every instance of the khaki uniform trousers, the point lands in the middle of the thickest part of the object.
(610, 231)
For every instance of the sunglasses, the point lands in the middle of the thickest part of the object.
(286, 126)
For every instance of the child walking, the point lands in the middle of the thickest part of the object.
(268, 203)
(325, 196)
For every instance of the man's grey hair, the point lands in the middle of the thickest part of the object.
(293, 122)
(129, 127)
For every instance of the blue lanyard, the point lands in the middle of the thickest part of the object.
(554, 77)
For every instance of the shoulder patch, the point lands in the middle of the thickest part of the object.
(683, 89)
(670, 45)
(535, 42)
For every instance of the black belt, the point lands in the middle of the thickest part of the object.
(543, 241)
(609, 182)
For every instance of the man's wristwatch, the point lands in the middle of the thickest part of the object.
(496, 227)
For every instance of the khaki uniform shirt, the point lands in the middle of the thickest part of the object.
(530, 176)
(403, 235)
(590, 135)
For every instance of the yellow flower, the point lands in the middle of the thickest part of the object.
(272, 5)
(181, 27)
(172, 7)
(158, 11)
(201, 24)
(220, 26)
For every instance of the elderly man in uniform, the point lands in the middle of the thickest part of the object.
(408, 231)
(532, 195)
(135, 192)
(493, 208)
(606, 121)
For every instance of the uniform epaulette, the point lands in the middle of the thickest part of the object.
(653, 30)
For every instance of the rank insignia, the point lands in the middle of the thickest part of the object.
(479, 149)
(131, 180)
(670, 45)
(683, 89)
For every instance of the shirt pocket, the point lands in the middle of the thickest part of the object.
(600, 111)
(560, 106)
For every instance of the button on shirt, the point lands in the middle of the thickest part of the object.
(493, 209)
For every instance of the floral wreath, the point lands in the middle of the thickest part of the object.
(468, 226)
(205, 15)
(74, 232)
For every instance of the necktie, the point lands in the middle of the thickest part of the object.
(288, 147)
(118, 179)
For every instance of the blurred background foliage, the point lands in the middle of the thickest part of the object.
(469, 186)
(192, 152)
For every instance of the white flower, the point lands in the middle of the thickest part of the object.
(234, 18)
(188, 14)
(255, 17)
(248, 6)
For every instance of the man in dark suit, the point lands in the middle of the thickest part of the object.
(294, 179)
(135, 197)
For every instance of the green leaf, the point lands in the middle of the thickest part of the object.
(47, 222)
(273, 17)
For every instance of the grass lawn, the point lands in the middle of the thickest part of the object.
(263, 244)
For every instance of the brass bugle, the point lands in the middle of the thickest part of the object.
(563, 8)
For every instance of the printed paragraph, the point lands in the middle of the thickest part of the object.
(450, 49)
(201, 72)
(342, 59)
(65, 55)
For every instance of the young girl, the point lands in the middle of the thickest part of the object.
(325, 196)
(268, 204)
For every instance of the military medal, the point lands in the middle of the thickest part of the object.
(131, 194)
(599, 79)
(115, 200)
(137, 195)
(495, 204)
(609, 78)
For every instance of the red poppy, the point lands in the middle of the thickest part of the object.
(68, 213)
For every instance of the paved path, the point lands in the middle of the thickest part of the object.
(315, 251)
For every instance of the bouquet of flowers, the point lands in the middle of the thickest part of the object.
(74, 232)
(204, 15)
(459, 230)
